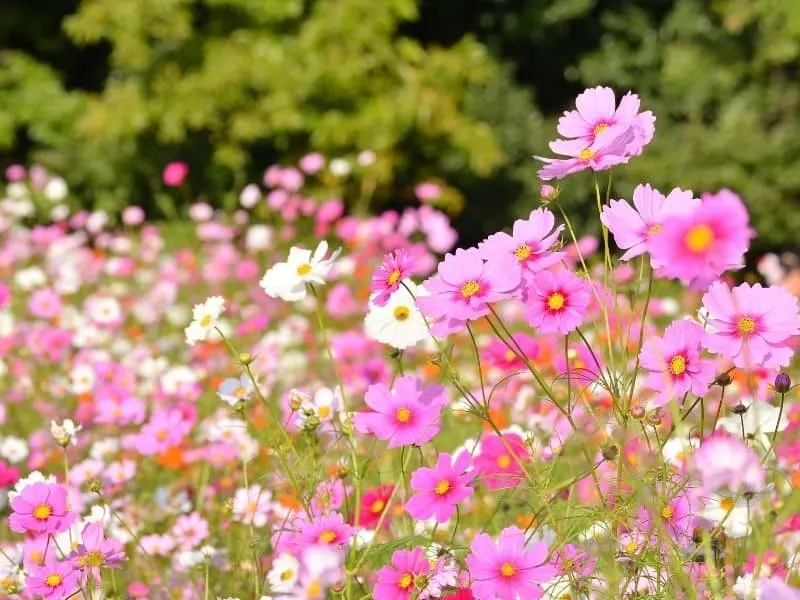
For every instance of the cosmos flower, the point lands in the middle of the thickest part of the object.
(557, 302)
(96, 552)
(205, 317)
(441, 488)
(395, 268)
(401, 580)
(399, 322)
(40, 508)
(289, 280)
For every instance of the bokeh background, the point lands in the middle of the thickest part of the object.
(462, 93)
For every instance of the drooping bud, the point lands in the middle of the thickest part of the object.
(723, 379)
(783, 383)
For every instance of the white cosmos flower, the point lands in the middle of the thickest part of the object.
(284, 573)
(287, 280)
(205, 317)
(760, 422)
(65, 433)
(736, 524)
(13, 449)
(399, 324)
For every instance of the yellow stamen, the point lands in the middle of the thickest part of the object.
(699, 238)
(523, 252)
(726, 503)
(442, 487)
(747, 325)
(677, 366)
(304, 269)
(508, 569)
(327, 537)
(586, 154)
(405, 581)
(470, 288)
(600, 128)
(403, 415)
(53, 580)
(42, 512)
(287, 575)
(206, 321)
(556, 301)
(378, 506)
(394, 277)
(667, 513)
(401, 313)
(503, 461)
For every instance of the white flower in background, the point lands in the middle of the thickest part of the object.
(205, 317)
(746, 587)
(104, 448)
(678, 448)
(252, 506)
(178, 379)
(104, 310)
(734, 512)
(56, 189)
(30, 278)
(288, 280)
(250, 196)
(14, 449)
(33, 477)
(234, 390)
(59, 212)
(65, 433)
(323, 405)
(760, 422)
(399, 324)
(258, 237)
(284, 573)
(340, 167)
(6, 323)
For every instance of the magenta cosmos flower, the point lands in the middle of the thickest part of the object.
(465, 286)
(322, 530)
(396, 267)
(724, 461)
(404, 578)
(698, 247)
(674, 363)
(440, 489)
(557, 302)
(751, 325)
(507, 569)
(606, 151)
(40, 508)
(56, 580)
(409, 414)
(633, 226)
(498, 461)
(97, 552)
(529, 244)
(175, 173)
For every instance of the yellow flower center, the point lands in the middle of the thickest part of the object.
(206, 321)
(327, 537)
(523, 252)
(324, 412)
(508, 569)
(600, 128)
(510, 356)
(403, 415)
(42, 512)
(394, 277)
(401, 313)
(405, 581)
(92, 559)
(699, 238)
(378, 506)
(727, 503)
(503, 461)
(287, 575)
(567, 564)
(677, 366)
(304, 269)
(36, 557)
(470, 288)
(442, 487)
(314, 590)
(631, 547)
(746, 325)
(53, 580)
(655, 228)
(556, 301)
(240, 392)
(667, 513)
(586, 154)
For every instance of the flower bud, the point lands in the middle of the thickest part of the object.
(723, 379)
(740, 409)
(782, 383)
(637, 412)
(245, 359)
(610, 451)
(548, 192)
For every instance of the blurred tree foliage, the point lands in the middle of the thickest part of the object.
(106, 92)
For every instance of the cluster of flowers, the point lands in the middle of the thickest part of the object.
(515, 421)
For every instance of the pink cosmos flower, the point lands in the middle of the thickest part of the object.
(774, 588)
(529, 244)
(165, 429)
(44, 303)
(676, 515)
(408, 414)
(312, 162)
(724, 461)
(40, 508)
(633, 227)
(507, 569)
(604, 152)
(427, 191)
(37, 551)
(401, 579)
(751, 325)
(441, 488)
(373, 505)
(465, 286)
(97, 552)
(53, 580)
(133, 216)
(175, 173)
(557, 302)
(190, 530)
(386, 280)
(699, 246)
(5, 295)
(571, 559)
(496, 462)
(674, 363)
(324, 530)
(597, 111)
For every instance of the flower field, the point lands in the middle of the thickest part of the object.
(290, 401)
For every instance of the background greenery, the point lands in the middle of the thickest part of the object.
(106, 92)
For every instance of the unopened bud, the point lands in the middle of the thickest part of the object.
(637, 412)
(548, 192)
(312, 422)
(610, 451)
(783, 383)
(295, 400)
(655, 417)
(740, 409)
(95, 485)
(245, 359)
(723, 379)
(435, 358)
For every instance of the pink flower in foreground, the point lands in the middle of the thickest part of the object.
(675, 364)
(751, 325)
(557, 302)
(175, 173)
(464, 287)
(606, 151)
(441, 488)
(401, 580)
(507, 569)
(698, 247)
(409, 414)
(56, 580)
(40, 508)
(396, 267)
(97, 552)
(529, 244)
(499, 460)
(633, 227)
(724, 461)
(324, 530)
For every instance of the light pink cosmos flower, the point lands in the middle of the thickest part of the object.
(97, 552)
(727, 462)
(751, 325)
(507, 569)
(464, 287)
(441, 488)
(557, 302)
(44, 303)
(52, 581)
(166, 428)
(674, 363)
(698, 247)
(386, 280)
(633, 227)
(323, 530)
(605, 151)
(498, 460)
(40, 508)
(408, 414)
(529, 244)
(401, 580)
(190, 530)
